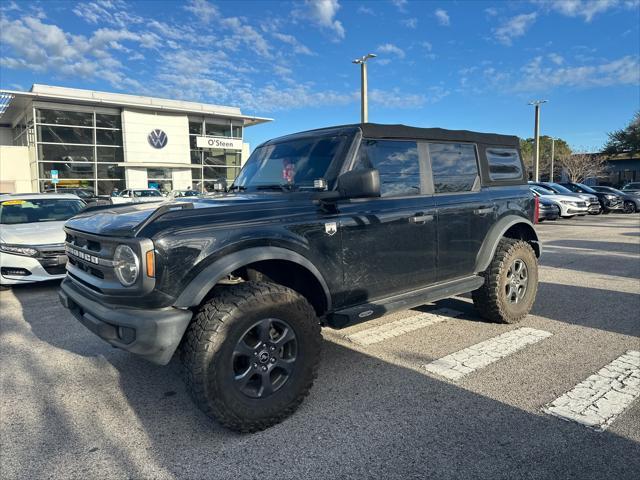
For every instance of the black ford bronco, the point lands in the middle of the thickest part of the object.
(325, 227)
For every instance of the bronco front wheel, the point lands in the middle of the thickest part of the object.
(510, 283)
(251, 355)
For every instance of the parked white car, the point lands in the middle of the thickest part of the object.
(182, 193)
(138, 195)
(569, 206)
(32, 238)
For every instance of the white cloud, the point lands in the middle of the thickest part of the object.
(365, 10)
(203, 10)
(555, 58)
(397, 99)
(579, 8)
(491, 12)
(427, 46)
(443, 17)
(391, 49)
(400, 5)
(410, 22)
(323, 13)
(536, 76)
(293, 41)
(514, 27)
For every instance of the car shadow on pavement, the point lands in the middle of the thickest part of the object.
(105, 413)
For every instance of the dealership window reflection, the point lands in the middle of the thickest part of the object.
(72, 142)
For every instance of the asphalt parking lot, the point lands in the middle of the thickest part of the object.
(73, 407)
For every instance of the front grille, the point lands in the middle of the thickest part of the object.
(90, 256)
(83, 242)
(581, 204)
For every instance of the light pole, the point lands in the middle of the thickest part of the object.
(364, 108)
(536, 139)
(553, 152)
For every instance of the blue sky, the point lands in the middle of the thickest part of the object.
(452, 64)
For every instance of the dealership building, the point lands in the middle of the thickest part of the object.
(106, 141)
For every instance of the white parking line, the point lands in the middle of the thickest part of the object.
(597, 401)
(463, 362)
(402, 326)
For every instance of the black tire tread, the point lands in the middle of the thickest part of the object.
(205, 333)
(486, 299)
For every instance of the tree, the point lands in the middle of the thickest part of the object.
(580, 166)
(561, 148)
(626, 140)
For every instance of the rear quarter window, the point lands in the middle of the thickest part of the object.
(504, 164)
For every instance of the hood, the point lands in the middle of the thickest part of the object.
(37, 233)
(128, 219)
(563, 198)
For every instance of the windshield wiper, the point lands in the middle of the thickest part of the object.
(276, 186)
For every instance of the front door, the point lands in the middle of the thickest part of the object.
(389, 243)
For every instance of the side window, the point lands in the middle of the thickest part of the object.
(397, 162)
(504, 164)
(454, 167)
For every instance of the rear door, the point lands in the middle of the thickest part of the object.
(389, 243)
(465, 212)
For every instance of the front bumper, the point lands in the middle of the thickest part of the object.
(154, 334)
(20, 269)
(594, 207)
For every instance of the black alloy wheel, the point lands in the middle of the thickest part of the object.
(264, 358)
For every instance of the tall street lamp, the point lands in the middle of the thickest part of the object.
(536, 139)
(553, 153)
(364, 108)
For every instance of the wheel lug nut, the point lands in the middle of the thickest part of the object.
(255, 354)
(273, 360)
(255, 365)
(272, 348)
(264, 369)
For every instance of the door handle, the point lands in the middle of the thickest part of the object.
(419, 219)
(483, 210)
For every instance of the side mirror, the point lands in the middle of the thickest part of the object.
(359, 183)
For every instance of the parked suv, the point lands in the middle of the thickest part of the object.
(608, 201)
(325, 227)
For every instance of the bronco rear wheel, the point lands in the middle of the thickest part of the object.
(510, 283)
(251, 355)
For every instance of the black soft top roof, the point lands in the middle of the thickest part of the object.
(379, 130)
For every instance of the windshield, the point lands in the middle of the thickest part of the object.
(586, 188)
(291, 164)
(559, 188)
(630, 186)
(542, 191)
(146, 193)
(38, 210)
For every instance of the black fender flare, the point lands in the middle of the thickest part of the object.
(198, 288)
(488, 249)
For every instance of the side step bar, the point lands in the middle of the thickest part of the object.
(380, 307)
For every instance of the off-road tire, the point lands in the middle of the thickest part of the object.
(207, 349)
(490, 299)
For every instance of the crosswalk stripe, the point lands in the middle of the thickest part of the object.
(463, 362)
(402, 326)
(598, 400)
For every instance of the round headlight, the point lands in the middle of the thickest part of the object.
(126, 265)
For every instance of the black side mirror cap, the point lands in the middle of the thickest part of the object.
(362, 183)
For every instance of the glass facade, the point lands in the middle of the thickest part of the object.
(83, 146)
(216, 169)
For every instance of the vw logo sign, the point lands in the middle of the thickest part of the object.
(158, 139)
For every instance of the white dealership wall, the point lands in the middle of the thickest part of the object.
(136, 126)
